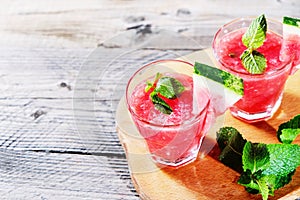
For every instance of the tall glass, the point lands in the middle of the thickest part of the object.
(173, 139)
(262, 92)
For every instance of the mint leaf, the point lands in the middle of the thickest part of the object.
(255, 157)
(256, 33)
(288, 131)
(225, 135)
(266, 167)
(288, 135)
(164, 109)
(272, 173)
(166, 87)
(263, 184)
(256, 183)
(160, 104)
(169, 87)
(281, 181)
(254, 62)
(284, 159)
(264, 187)
(231, 143)
(246, 179)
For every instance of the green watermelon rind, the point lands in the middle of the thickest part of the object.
(291, 21)
(227, 79)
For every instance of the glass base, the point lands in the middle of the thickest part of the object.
(256, 117)
(177, 163)
(192, 156)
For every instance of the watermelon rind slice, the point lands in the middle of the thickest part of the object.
(291, 41)
(291, 26)
(225, 89)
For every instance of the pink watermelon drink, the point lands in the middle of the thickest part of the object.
(173, 134)
(263, 91)
(291, 42)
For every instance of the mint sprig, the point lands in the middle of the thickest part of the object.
(288, 135)
(231, 144)
(253, 61)
(160, 104)
(167, 87)
(268, 167)
(255, 35)
(255, 157)
(264, 167)
(289, 130)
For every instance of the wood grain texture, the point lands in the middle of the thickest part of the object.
(90, 23)
(42, 154)
(41, 175)
(57, 118)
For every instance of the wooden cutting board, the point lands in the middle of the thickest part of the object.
(206, 178)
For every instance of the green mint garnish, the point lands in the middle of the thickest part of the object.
(268, 167)
(167, 87)
(288, 131)
(265, 167)
(256, 33)
(284, 159)
(231, 144)
(288, 135)
(255, 157)
(253, 61)
(160, 104)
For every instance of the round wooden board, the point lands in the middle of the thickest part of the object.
(206, 178)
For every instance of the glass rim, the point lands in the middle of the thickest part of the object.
(245, 18)
(190, 121)
(283, 64)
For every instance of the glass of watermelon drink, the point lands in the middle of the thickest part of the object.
(262, 92)
(174, 138)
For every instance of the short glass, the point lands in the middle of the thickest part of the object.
(262, 92)
(174, 139)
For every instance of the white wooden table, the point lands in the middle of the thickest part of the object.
(58, 100)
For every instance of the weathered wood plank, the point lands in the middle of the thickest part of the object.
(53, 73)
(78, 24)
(49, 124)
(37, 126)
(38, 175)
